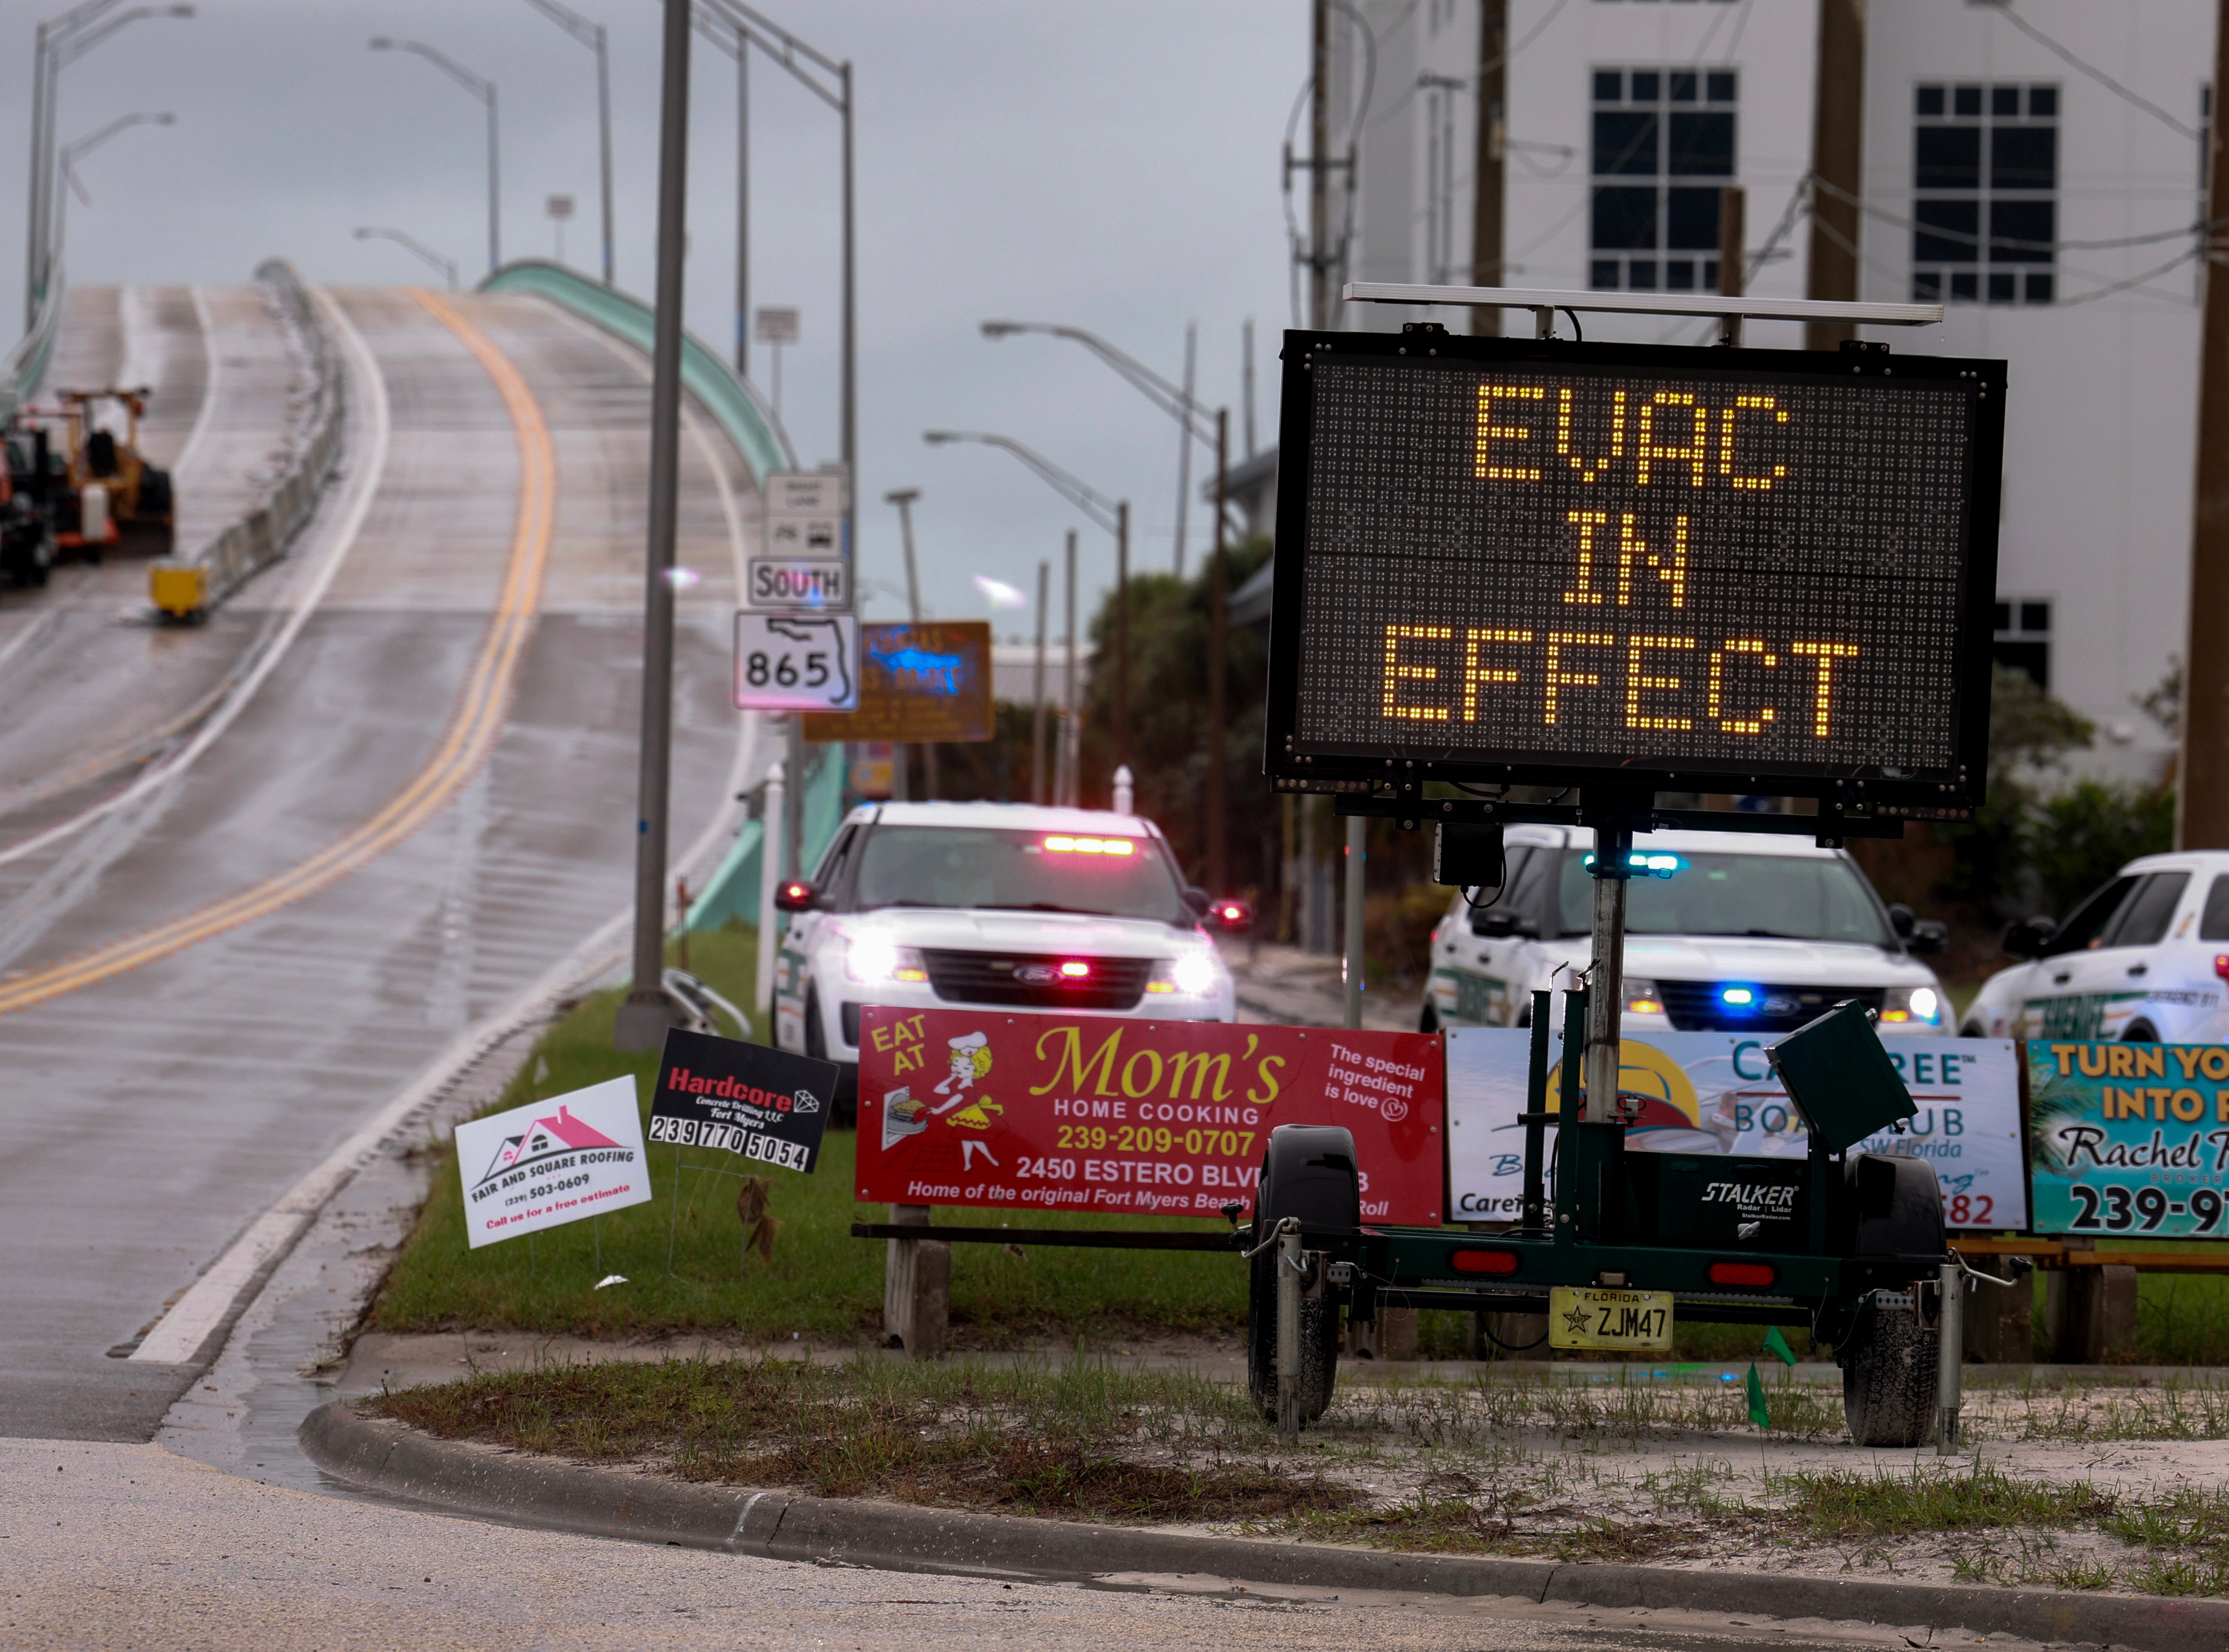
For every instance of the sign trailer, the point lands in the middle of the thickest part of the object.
(1619, 569)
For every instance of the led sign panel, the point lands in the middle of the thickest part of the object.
(1710, 569)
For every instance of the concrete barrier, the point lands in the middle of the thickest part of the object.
(190, 584)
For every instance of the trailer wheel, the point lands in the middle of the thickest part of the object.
(1889, 1378)
(1307, 1171)
(1319, 1344)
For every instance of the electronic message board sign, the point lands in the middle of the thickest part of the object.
(1537, 560)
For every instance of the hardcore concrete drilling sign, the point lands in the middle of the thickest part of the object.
(552, 1162)
(1166, 1118)
(750, 1099)
(2129, 1138)
(1521, 559)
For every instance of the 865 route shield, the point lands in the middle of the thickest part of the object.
(1160, 1118)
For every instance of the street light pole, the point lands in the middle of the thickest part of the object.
(592, 37)
(85, 146)
(57, 43)
(484, 89)
(1219, 869)
(446, 266)
(644, 1016)
(903, 497)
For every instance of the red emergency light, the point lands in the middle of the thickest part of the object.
(1067, 846)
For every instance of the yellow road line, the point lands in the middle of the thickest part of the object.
(473, 728)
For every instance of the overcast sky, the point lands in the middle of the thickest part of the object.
(1115, 167)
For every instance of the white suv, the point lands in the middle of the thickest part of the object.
(1751, 932)
(2143, 958)
(923, 905)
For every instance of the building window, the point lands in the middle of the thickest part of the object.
(2023, 640)
(1984, 194)
(1663, 149)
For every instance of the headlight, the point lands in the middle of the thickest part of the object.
(1190, 974)
(875, 958)
(1641, 997)
(1908, 1005)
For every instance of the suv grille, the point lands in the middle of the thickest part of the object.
(1695, 1006)
(1035, 981)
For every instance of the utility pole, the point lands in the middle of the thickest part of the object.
(1184, 442)
(903, 497)
(1247, 368)
(1733, 242)
(1487, 173)
(1070, 788)
(2201, 813)
(1837, 166)
(1037, 721)
(1319, 171)
(645, 1015)
(1219, 869)
(1122, 633)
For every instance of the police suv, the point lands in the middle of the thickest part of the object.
(995, 905)
(1741, 932)
(2144, 958)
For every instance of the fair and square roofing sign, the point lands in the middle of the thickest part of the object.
(552, 1162)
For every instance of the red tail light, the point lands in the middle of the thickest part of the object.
(1754, 1276)
(1484, 1261)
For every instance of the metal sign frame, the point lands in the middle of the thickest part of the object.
(1948, 793)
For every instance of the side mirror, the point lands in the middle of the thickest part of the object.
(796, 896)
(1232, 917)
(1902, 919)
(1499, 922)
(1196, 901)
(1927, 939)
(2029, 939)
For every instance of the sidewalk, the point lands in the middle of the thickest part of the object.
(1284, 986)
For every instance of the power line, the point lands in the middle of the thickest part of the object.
(2066, 55)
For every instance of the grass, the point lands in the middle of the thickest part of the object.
(822, 1285)
(1065, 1442)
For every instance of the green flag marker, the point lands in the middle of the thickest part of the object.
(1758, 1414)
(1775, 1343)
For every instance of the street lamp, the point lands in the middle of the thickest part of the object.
(446, 266)
(737, 45)
(483, 89)
(85, 146)
(1114, 515)
(1177, 401)
(592, 37)
(59, 43)
(830, 81)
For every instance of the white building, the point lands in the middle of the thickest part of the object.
(2053, 147)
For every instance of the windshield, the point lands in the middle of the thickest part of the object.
(1022, 870)
(1793, 897)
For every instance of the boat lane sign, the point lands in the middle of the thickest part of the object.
(797, 662)
(748, 1099)
(552, 1162)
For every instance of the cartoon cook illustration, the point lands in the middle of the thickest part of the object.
(977, 1117)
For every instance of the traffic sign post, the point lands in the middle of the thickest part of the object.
(1621, 569)
(797, 662)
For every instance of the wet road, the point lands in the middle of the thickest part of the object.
(425, 802)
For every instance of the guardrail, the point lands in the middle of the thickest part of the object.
(737, 407)
(189, 586)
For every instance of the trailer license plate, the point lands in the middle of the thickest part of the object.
(1608, 1319)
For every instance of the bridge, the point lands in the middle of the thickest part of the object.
(270, 884)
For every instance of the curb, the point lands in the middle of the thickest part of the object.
(389, 1457)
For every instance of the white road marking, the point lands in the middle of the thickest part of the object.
(178, 1336)
(364, 470)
